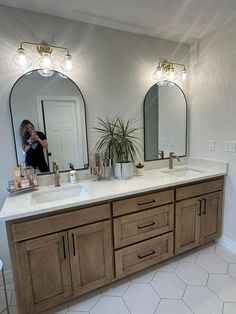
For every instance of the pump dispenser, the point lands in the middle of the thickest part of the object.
(73, 174)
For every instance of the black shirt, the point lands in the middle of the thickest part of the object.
(35, 156)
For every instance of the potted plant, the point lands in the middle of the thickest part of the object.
(119, 142)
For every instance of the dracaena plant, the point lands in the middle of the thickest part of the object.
(118, 139)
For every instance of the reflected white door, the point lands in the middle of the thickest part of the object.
(61, 131)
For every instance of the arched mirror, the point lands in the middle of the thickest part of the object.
(165, 121)
(54, 108)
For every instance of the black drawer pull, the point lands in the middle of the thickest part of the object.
(199, 208)
(146, 254)
(145, 225)
(73, 242)
(147, 202)
(204, 208)
(64, 248)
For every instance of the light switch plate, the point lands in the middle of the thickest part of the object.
(230, 146)
(211, 145)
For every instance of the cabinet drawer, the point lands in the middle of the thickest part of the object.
(199, 189)
(135, 204)
(139, 256)
(140, 226)
(35, 228)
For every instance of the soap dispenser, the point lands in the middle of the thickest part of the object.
(73, 174)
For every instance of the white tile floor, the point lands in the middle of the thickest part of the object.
(202, 281)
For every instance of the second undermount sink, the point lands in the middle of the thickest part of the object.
(59, 193)
(183, 172)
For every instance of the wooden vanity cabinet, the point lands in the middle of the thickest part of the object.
(143, 231)
(91, 257)
(53, 268)
(198, 219)
(44, 272)
(56, 257)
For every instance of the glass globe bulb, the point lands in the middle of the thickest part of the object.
(46, 61)
(158, 74)
(183, 75)
(21, 59)
(67, 63)
(171, 75)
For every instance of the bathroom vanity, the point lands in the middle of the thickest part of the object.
(61, 249)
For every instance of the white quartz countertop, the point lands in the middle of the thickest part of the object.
(24, 204)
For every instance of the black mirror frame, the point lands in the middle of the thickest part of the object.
(85, 116)
(186, 123)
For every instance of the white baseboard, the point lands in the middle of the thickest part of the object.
(227, 243)
(8, 277)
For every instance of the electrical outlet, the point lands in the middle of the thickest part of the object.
(230, 146)
(211, 145)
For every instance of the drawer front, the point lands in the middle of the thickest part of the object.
(140, 226)
(199, 189)
(139, 256)
(42, 226)
(147, 201)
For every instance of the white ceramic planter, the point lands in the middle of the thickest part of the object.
(124, 171)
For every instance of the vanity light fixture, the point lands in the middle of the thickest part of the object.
(170, 71)
(46, 62)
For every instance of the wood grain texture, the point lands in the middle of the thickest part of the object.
(40, 226)
(135, 204)
(197, 189)
(91, 256)
(187, 224)
(211, 218)
(133, 228)
(144, 254)
(44, 272)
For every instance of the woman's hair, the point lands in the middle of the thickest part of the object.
(24, 135)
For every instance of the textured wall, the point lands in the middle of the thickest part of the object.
(213, 108)
(114, 72)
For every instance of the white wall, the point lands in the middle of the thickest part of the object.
(213, 108)
(114, 73)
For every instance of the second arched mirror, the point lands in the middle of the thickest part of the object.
(165, 121)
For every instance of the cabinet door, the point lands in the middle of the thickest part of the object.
(211, 216)
(91, 256)
(187, 228)
(44, 272)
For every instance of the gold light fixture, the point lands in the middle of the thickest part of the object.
(46, 62)
(170, 71)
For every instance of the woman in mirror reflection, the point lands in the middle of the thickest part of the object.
(33, 143)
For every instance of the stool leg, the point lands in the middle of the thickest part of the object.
(5, 290)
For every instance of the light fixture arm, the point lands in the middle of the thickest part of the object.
(44, 44)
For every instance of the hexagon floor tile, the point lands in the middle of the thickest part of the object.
(224, 253)
(223, 286)
(212, 263)
(86, 302)
(232, 271)
(202, 301)
(168, 285)
(173, 307)
(192, 274)
(141, 298)
(108, 305)
(117, 288)
(194, 282)
(229, 308)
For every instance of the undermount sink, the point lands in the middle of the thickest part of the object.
(59, 193)
(183, 172)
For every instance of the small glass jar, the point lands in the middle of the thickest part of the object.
(12, 185)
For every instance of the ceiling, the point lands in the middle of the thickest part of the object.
(179, 20)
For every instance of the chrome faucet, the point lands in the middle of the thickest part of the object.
(172, 156)
(56, 173)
